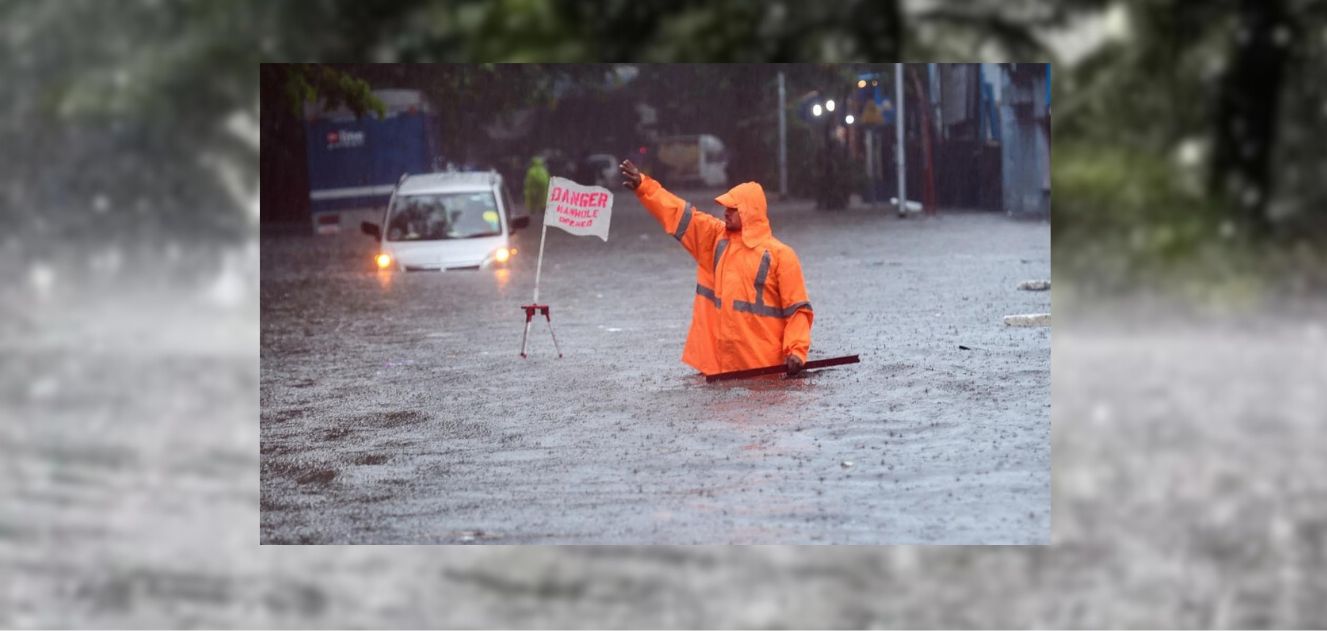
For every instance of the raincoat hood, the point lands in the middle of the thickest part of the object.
(749, 200)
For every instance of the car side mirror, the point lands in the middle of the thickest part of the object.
(370, 229)
(520, 222)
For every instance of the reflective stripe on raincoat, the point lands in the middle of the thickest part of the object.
(751, 309)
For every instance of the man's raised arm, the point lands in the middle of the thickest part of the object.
(696, 230)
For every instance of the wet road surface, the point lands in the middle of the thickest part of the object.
(395, 409)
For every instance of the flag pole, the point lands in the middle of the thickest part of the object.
(539, 267)
(535, 307)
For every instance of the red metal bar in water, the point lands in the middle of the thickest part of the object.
(781, 368)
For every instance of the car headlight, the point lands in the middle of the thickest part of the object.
(498, 258)
(383, 260)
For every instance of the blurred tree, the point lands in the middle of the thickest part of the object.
(304, 84)
(1297, 200)
(686, 30)
(1247, 108)
(958, 30)
(1210, 84)
(282, 165)
(151, 107)
(465, 97)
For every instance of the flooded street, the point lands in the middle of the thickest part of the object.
(395, 409)
(1185, 451)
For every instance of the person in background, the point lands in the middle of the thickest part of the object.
(536, 185)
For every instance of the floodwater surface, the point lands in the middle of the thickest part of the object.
(395, 407)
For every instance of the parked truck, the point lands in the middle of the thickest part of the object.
(355, 163)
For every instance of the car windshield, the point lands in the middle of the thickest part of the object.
(443, 216)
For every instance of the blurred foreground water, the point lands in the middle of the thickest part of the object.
(1188, 491)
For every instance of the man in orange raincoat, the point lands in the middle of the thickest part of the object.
(751, 308)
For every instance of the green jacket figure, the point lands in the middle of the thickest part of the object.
(536, 185)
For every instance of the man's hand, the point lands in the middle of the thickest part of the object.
(794, 365)
(630, 174)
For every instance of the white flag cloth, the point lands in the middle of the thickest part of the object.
(580, 210)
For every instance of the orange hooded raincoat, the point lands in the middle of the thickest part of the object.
(751, 309)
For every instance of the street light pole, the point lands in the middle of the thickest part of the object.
(898, 126)
(827, 160)
(783, 138)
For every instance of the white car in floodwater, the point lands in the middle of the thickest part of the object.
(447, 221)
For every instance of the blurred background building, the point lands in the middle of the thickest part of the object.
(976, 135)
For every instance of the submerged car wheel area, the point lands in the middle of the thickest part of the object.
(447, 221)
